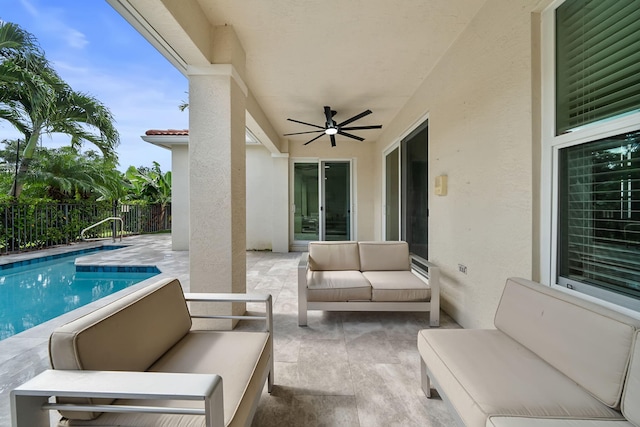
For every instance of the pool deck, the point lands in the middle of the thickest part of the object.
(344, 369)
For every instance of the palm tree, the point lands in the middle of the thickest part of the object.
(21, 60)
(152, 186)
(36, 101)
(15, 41)
(65, 174)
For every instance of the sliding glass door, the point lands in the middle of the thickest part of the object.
(306, 217)
(322, 201)
(336, 192)
(406, 191)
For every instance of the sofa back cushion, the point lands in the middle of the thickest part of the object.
(631, 396)
(129, 334)
(384, 256)
(334, 256)
(587, 342)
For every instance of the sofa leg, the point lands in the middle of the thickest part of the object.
(434, 318)
(26, 411)
(302, 316)
(426, 382)
(270, 378)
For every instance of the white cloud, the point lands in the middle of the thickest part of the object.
(30, 8)
(75, 38)
(51, 21)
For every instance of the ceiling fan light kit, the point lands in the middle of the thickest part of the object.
(332, 128)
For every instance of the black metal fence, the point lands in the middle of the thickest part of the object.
(35, 226)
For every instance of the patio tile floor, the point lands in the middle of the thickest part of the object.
(343, 369)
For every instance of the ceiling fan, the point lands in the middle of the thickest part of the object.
(332, 128)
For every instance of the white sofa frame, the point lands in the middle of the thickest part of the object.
(422, 268)
(32, 401)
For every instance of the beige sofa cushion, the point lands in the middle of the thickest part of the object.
(384, 256)
(334, 256)
(485, 372)
(397, 286)
(337, 286)
(587, 342)
(553, 422)
(631, 396)
(230, 354)
(129, 334)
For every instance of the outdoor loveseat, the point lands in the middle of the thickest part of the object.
(366, 276)
(138, 361)
(554, 360)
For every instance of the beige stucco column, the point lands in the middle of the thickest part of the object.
(180, 197)
(178, 144)
(280, 203)
(217, 180)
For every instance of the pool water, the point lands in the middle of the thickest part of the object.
(32, 292)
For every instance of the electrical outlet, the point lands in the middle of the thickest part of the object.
(462, 268)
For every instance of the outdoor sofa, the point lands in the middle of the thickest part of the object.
(554, 360)
(366, 276)
(140, 357)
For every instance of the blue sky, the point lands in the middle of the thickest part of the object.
(97, 52)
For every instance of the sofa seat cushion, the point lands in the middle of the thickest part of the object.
(485, 372)
(240, 358)
(337, 286)
(553, 422)
(397, 286)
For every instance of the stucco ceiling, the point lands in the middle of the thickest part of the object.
(352, 55)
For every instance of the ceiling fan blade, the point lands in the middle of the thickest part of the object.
(301, 133)
(305, 123)
(328, 114)
(362, 127)
(348, 135)
(354, 118)
(333, 140)
(309, 142)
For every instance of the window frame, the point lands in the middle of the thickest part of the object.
(551, 146)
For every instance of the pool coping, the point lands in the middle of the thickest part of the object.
(44, 258)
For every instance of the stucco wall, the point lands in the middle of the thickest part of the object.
(259, 198)
(364, 178)
(478, 100)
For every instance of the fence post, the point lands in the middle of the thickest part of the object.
(114, 226)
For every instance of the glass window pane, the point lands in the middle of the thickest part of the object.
(599, 215)
(416, 192)
(337, 195)
(305, 196)
(392, 202)
(597, 61)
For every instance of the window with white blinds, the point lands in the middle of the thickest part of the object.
(599, 214)
(597, 61)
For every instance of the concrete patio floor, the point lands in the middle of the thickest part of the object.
(344, 369)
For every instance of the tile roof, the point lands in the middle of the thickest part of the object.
(172, 132)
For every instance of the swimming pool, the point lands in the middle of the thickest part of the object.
(37, 290)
